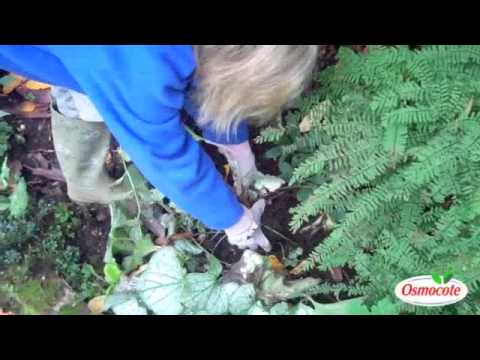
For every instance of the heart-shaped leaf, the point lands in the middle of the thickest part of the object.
(203, 293)
(161, 285)
(240, 297)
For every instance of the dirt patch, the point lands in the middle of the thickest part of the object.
(31, 149)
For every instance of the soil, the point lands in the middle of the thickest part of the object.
(34, 155)
(37, 152)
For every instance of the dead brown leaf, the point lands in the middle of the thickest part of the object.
(299, 269)
(337, 274)
(97, 305)
(15, 82)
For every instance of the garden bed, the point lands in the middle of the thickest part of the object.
(32, 155)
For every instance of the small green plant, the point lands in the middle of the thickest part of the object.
(389, 148)
(65, 259)
(14, 235)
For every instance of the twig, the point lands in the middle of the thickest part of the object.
(53, 174)
(137, 200)
(223, 262)
(283, 250)
(279, 234)
(218, 242)
(282, 191)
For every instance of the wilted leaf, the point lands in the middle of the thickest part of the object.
(27, 106)
(35, 85)
(226, 170)
(97, 305)
(306, 124)
(300, 268)
(275, 263)
(10, 83)
(274, 288)
(337, 274)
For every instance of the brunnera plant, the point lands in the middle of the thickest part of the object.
(389, 148)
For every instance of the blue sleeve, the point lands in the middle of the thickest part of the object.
(140, 91)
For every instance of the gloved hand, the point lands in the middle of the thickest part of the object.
(245, 173)
(247, 232)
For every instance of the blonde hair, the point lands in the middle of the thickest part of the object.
(253, 82)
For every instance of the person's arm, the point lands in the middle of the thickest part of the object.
(140, 91)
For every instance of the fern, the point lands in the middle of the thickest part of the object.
(396, 135)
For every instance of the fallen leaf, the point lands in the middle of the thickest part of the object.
(97, 305)
(227, 169)
(27, 106)
(337, 274)
(181, 236)
(35, 85)
(10, 83)
(275, 263)
(306, 124)
(161, 240)
(300, 268)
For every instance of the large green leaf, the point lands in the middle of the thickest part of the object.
(214, 266)
(161, 285)
(240, 297)
(203, 293)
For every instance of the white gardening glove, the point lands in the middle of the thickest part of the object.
(247, 232)
(245, 173)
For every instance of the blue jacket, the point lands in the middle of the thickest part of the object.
(140, 92)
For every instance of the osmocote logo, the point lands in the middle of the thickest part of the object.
(431, 290)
